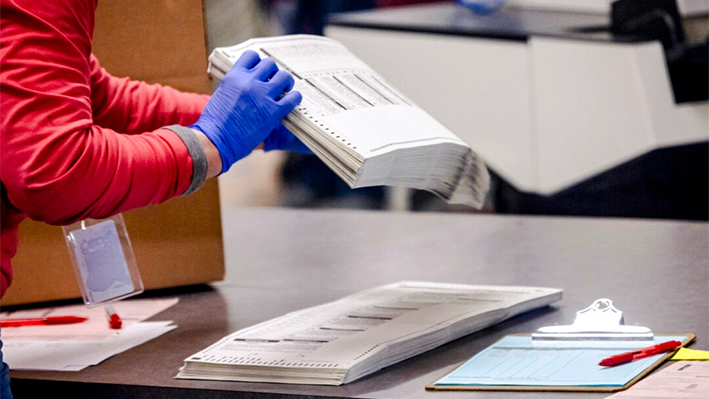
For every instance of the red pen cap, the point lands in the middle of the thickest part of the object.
(114, 321)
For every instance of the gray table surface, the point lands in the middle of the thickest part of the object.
(281, 260)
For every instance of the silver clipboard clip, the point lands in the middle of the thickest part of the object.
(599, 323)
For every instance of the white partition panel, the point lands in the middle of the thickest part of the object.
(601, 104)
(545, 114)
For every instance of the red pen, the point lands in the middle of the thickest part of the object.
(114, 321)
(42, 321)
(628, 357)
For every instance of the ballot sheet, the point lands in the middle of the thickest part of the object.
(341, 341)
(360, 126)
(76, 355)
(335, 85)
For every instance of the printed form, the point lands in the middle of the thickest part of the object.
(516, 360)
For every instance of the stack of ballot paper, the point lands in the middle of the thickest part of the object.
(360, 126)
(73, 347)
(342, 341)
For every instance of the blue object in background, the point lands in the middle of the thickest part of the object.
(481, 7)
(5, 392)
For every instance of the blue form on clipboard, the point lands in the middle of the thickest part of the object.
(515, 361)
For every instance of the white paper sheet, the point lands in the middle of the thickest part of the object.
(96, 327)
(75, 355)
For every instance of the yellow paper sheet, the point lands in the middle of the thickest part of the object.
(690, 354)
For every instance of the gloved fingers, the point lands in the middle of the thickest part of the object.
(282, 139)
(299, 147)
(281, 83)
(265, 69)
(292, 143)
(288, 102)
(248, 60)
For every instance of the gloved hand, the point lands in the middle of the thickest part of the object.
(282, 139)
(482, 7)
(248, 105)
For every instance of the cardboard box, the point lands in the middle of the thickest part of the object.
(176, 243)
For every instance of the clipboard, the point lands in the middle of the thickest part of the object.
(689, 338)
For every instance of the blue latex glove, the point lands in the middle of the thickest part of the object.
(248, 105)
(482, 7)
(282, 139)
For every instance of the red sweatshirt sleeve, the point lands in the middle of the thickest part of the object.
(129, 106)
(57, 165)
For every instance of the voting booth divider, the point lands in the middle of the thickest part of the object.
(176, 243)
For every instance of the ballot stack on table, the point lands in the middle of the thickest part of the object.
(339, 342)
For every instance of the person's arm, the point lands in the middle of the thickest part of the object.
(214, 160)
(129, 106)
(56, 164)
(133, 107)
